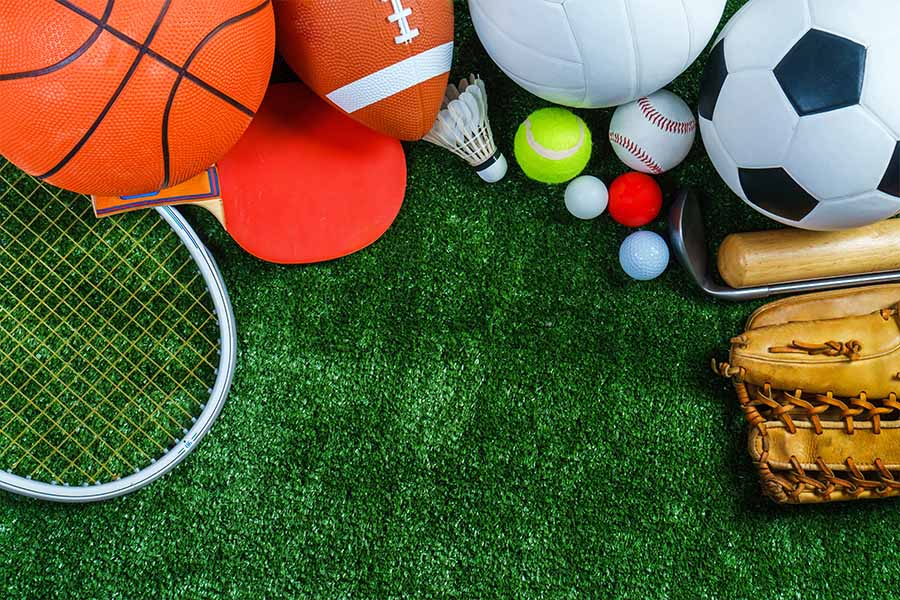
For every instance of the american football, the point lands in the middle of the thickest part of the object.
(386, 63)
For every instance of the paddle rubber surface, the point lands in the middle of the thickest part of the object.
(304, 184)
(307, 183)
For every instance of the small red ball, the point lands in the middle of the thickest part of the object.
(635, 199)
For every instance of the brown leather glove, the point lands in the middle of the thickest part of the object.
(817, 379)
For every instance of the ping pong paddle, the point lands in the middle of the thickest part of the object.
(304, 184)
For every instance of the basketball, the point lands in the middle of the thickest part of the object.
(122, 98)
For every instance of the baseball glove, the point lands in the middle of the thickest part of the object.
(817, 379)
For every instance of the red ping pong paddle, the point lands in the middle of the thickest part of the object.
(304, 184)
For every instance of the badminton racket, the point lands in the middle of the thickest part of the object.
(117, 344)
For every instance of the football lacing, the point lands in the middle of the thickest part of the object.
(400, 17)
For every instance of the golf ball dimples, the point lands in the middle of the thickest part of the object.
(586, 197)
(644, 255)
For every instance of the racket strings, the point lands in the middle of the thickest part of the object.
(97, 435)
(83, 305)
(110, 424)
(41, 438)
(79, 309)
(108, 339)
(138, 241)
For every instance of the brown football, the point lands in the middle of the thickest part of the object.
(386, 63)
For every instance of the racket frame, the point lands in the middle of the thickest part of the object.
(218, 293)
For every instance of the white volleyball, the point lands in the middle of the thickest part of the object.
(594, 53)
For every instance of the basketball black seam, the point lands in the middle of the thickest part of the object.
(187, 65)
(100, 26)
(145, 50)
(162, 59)
(93, 128)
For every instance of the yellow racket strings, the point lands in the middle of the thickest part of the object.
(108, 338)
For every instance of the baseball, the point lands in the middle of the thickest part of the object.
(653, 134)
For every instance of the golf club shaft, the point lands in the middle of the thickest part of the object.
(799, 287)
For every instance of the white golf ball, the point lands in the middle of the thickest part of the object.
(644, 255)
(587, 197)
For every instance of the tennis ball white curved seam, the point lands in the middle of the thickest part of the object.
(553, 154)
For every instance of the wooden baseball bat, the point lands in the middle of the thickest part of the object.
(788, 255)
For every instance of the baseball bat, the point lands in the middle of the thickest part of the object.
(788, 255)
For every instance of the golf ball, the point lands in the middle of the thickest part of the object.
(644, 255)
(587, 197)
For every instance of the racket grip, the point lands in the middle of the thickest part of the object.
(786, 255)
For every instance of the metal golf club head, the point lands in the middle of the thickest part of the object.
(688, 238)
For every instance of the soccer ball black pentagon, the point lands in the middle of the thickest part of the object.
(800, 110)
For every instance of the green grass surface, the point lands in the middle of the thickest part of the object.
(480, 405)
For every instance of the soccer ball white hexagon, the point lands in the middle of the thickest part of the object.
(594, 53)
(800, 110)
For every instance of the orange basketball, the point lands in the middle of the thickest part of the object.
(123, 97)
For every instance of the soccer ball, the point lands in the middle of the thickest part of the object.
(594, 53)
(800, 110)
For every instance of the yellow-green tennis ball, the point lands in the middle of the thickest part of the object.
(553, 145)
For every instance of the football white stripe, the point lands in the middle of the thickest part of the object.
(394, 79)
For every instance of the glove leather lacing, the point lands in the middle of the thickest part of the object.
(762, 404)
(849, 349)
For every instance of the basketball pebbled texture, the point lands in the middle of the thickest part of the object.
(123, 97)
(386, 63)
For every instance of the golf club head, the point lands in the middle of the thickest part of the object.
(688, 238)
(688, 235)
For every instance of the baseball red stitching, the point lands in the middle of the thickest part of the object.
(662, 121)
(636, 151)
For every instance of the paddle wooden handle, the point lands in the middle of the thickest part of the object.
(204, 191)
(786, 255)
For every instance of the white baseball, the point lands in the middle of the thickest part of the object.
(653, 134)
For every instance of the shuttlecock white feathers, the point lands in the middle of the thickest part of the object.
(463, 128)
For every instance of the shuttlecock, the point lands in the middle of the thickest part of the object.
(463, 128)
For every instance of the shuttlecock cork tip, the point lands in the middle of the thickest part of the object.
(494, 169)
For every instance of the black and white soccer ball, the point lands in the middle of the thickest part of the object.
(800, 110)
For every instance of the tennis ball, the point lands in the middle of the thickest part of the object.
(553, 145)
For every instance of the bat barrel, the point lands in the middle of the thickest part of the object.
(788, 255)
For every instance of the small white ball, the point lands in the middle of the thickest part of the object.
(644, 255)
(653, 134)
(587, 197)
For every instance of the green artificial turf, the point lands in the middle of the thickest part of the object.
(480, 405)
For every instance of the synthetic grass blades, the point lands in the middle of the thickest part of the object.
(117, 344)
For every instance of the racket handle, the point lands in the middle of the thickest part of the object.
(786, 255)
